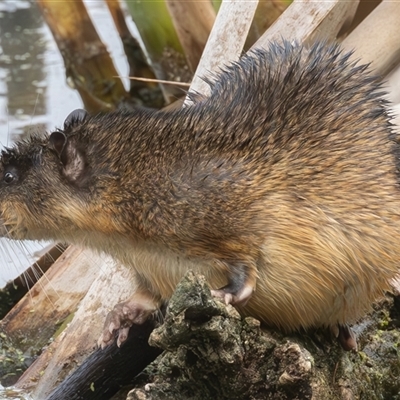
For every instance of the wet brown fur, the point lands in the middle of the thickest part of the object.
(288, 168)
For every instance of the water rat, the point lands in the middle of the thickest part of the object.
(281, 187)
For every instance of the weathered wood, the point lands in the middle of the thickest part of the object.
(393, 83)
(105, 372)
(302, 21)
(112, 283)
(225, 42)
(16, 289)
(377, 40)
(53, 298)
(364, 8)
(307, 20)
(267, 12)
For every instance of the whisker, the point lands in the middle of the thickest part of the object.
(9, 252)
(8, 248)
(36, 270)
(39, 268)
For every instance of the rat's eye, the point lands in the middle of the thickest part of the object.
(9, 177)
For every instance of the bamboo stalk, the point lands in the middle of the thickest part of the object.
(161, 42)
(88, 65)
(193, 22)
(147, 93)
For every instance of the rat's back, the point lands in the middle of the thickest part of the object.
(284, 182)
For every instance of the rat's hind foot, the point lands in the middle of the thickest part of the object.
(240, 287)
(347, 338)
(136, 310)
(231, 297)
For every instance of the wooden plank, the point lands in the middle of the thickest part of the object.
(226, 40)
(302, 21)
(377, 39)
(15, 290)
(54, 297)
(111, 283)
(307, 20)
(393, 84)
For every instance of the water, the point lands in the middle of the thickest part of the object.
(31, 73)
(34, 94)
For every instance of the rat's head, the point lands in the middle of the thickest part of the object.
(42, 183)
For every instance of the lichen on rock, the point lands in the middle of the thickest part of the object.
(213, 353)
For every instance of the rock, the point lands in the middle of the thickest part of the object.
(210, 352)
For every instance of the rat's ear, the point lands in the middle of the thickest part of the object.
(58, 141)
(75, 117)
(72, 159)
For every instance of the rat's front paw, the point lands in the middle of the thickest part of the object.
(122, 317)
